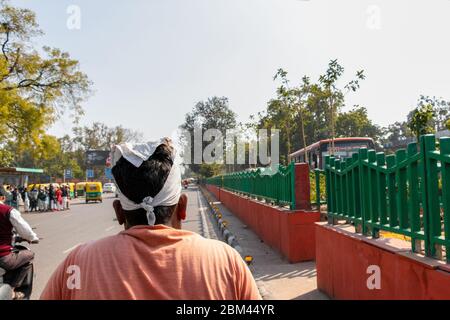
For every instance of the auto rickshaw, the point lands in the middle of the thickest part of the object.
(80, 189)
(94, 191)
(37, 186)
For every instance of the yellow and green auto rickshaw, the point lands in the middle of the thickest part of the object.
(80, 189)
(94, 191)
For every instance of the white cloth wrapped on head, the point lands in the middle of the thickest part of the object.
(136, 154)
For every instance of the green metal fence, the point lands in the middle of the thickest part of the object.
(318, 187)
(277, 187)
(407, 193)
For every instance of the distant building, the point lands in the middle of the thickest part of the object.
(17, 176)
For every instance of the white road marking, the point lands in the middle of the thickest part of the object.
(109, 229)
(71, 249)
(201, 208)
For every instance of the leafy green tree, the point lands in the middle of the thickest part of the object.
(99, 136)
(396, 135)
(441, 109)
(214, 113)
(335, 95)
(356, 123)
(308, 112)
(57, 155)
(210, 170)
(293, 109)
(36, 86)
(420, 121)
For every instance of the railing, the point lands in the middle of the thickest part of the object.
(318, 187)
(277, 187)
(407, 193)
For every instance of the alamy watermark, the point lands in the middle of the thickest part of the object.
(374, 280)
(74, 279)
(213, 146)
(374, 20)
(74, 18)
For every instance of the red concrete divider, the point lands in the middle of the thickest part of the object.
(290, 232)
(344, 259)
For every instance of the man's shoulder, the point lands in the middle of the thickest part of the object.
(92, 247)
(214, 246)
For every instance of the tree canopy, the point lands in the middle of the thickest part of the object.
(214, 113)
(37, 86)
(312, 111)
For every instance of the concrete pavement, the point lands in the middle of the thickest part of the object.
(276, 278)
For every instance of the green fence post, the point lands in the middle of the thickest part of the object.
(402, 196)
(413, 201)
(381, 184)
(433, 216)
(357, 192)
(391, 190)
(445, 172)
(372, 188)
(363, 155)
(332, 210)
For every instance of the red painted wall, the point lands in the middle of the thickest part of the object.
(342, 259)
(289, 232)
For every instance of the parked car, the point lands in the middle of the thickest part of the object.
(109, 188)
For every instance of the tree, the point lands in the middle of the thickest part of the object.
(335, 95)
(36, 86)
(441, 109)
(293, 102)
(356, 123)
(67, 152)
(307, 112)
(99, 136)
(214, 113)
(396, 135)
(210, 170)
(420, 121)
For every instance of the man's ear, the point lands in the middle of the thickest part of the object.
(182, 207)
(119, 212)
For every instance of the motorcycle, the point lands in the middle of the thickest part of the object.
(26, 287)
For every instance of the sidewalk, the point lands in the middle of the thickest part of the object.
(276, 278)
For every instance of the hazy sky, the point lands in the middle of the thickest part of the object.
(152, 60)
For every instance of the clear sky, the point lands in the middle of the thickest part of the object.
(152, 60)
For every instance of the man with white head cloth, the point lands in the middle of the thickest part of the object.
(153, 258)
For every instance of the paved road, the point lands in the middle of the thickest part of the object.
(64, 231)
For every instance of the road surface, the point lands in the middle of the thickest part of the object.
(64, 231)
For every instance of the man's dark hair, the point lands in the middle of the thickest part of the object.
(146, 181)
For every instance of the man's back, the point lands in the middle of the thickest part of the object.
(156, 263)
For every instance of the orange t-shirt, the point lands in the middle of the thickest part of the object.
(154, 263)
